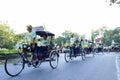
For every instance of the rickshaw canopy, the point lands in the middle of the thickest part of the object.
(40, 30)
(41, 33)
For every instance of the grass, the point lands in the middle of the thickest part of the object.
(8, 51)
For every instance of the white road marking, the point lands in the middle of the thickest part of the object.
(118, 69)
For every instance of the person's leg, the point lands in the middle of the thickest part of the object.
(35, 55)
(78, 50)
(75, 51)
(40, 52)
(34, 51)
(86, 50)
(25, 56)
(44, 51)
(25, 52)
(71, 52)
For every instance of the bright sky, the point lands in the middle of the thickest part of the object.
(79, 16)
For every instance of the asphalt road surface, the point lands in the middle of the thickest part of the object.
(100, 67)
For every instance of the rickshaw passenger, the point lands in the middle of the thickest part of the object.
(90, 46)
(77, 46)
(39, 43)
(44, 46)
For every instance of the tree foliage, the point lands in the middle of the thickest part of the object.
(60, 40)
(107, 38)
(108, 35)
(20, 37)
(116, 35)
(114, 2)
(65, 38)
(7, 37)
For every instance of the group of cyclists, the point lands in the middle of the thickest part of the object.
(40, 44)
(77, 43)
(42, 48)
(79, 46)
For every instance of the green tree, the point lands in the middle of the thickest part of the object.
(110, 35)
(7, 37)
(67, 34)
(116, 35)
(60, 40)
(114, 2)
(20, 37)
(95, 33)
(107, 38)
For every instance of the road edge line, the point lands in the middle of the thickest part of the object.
(118, 69)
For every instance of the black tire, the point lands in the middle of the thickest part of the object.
(83, 56)
(54, 58)
(67, 57)
(93, 52)
(84, 53)
(14, 63)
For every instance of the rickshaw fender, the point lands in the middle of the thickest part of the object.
(56, 52)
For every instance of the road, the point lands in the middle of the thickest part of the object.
(100, 67)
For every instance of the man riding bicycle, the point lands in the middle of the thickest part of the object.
(86, 45)
(72, 45)
(31, 41)
(77, 46)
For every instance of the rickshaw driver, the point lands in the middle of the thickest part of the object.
(72, 45)
(86, 45)
(77, 46)
(31, 40)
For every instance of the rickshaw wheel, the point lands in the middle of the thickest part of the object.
(83, 56)
(14, 66)
(67, 57)
(54, 58)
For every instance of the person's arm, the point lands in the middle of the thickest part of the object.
(25, 38)
(33, 38)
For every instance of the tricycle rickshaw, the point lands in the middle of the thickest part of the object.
(15, 65)
(73, 52)
(89, 49)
